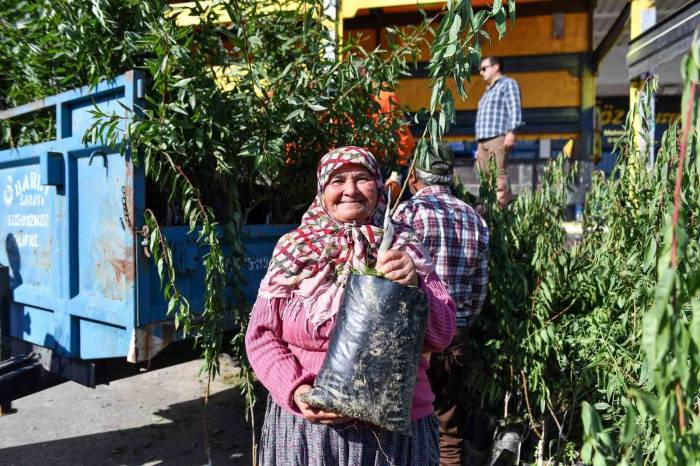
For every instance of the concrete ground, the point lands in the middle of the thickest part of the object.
(154, 418)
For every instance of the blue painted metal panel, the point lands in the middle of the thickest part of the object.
(71, 258)
(607, 162)
(258, 243)
(81, 282)
(113, 340)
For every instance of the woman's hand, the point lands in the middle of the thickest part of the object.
(317, 415)
(398, 266)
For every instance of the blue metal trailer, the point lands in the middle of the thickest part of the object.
(82, 287)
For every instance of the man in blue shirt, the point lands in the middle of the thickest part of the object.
(497, 118)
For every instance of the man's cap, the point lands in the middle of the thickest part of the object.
(437, 163)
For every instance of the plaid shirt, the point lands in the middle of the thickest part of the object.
(499, 109)
(457, 239)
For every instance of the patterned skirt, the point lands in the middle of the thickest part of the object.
(289, 440)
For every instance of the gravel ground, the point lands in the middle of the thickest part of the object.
(154, 418)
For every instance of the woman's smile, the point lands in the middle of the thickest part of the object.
(351, 194)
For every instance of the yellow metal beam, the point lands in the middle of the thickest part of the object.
(185, 18)
(563, 90)
(642, 16)
(589, 129)
(349, 8)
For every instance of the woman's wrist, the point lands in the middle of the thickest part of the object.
(300, 390)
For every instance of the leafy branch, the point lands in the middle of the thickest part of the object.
(454, 53)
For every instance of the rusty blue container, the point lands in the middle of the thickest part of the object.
(82, 285)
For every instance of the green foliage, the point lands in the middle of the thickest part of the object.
(662, 417)
(524, 336)
(454, 54)
(215, 155)
(51, 46)
(596, 343)
(235, 115)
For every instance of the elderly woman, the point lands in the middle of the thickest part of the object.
(294, 316)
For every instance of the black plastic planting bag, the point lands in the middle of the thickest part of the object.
(370, 369)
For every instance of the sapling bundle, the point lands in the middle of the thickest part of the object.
(370, 369)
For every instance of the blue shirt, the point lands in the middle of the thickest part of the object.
(499, 109)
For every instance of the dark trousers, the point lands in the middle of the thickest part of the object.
(446, 379)
(464, 431)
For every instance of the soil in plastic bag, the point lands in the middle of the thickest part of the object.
(369, 372)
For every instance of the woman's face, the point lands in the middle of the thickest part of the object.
(351, 194)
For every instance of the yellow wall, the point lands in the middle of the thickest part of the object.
(539, 89)
(530, 35)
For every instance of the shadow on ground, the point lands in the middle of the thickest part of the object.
(175, 437)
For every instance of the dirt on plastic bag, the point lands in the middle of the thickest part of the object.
(369, 372)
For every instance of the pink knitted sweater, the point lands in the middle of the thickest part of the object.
(284, 354)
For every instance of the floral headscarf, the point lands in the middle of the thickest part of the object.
(313, 261)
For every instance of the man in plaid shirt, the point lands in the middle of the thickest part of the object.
(457, 239)
(497, 118)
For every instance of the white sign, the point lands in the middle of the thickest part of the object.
(26, 191)
(26, 195)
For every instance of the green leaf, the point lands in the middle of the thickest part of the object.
(296, 114)
(434, 130)
(500, 20)
(177, 108)
(183, 82)
(448, 105)
(454, 29)
(496, 7)
(511, 10)
(648, 402)
(694, 327)
(587, 453)
(650, 254)
(599, 459)
(479, 19)
(655, 338)
(591, 420)
(629, 428)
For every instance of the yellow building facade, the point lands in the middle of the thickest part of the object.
(547, 51)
